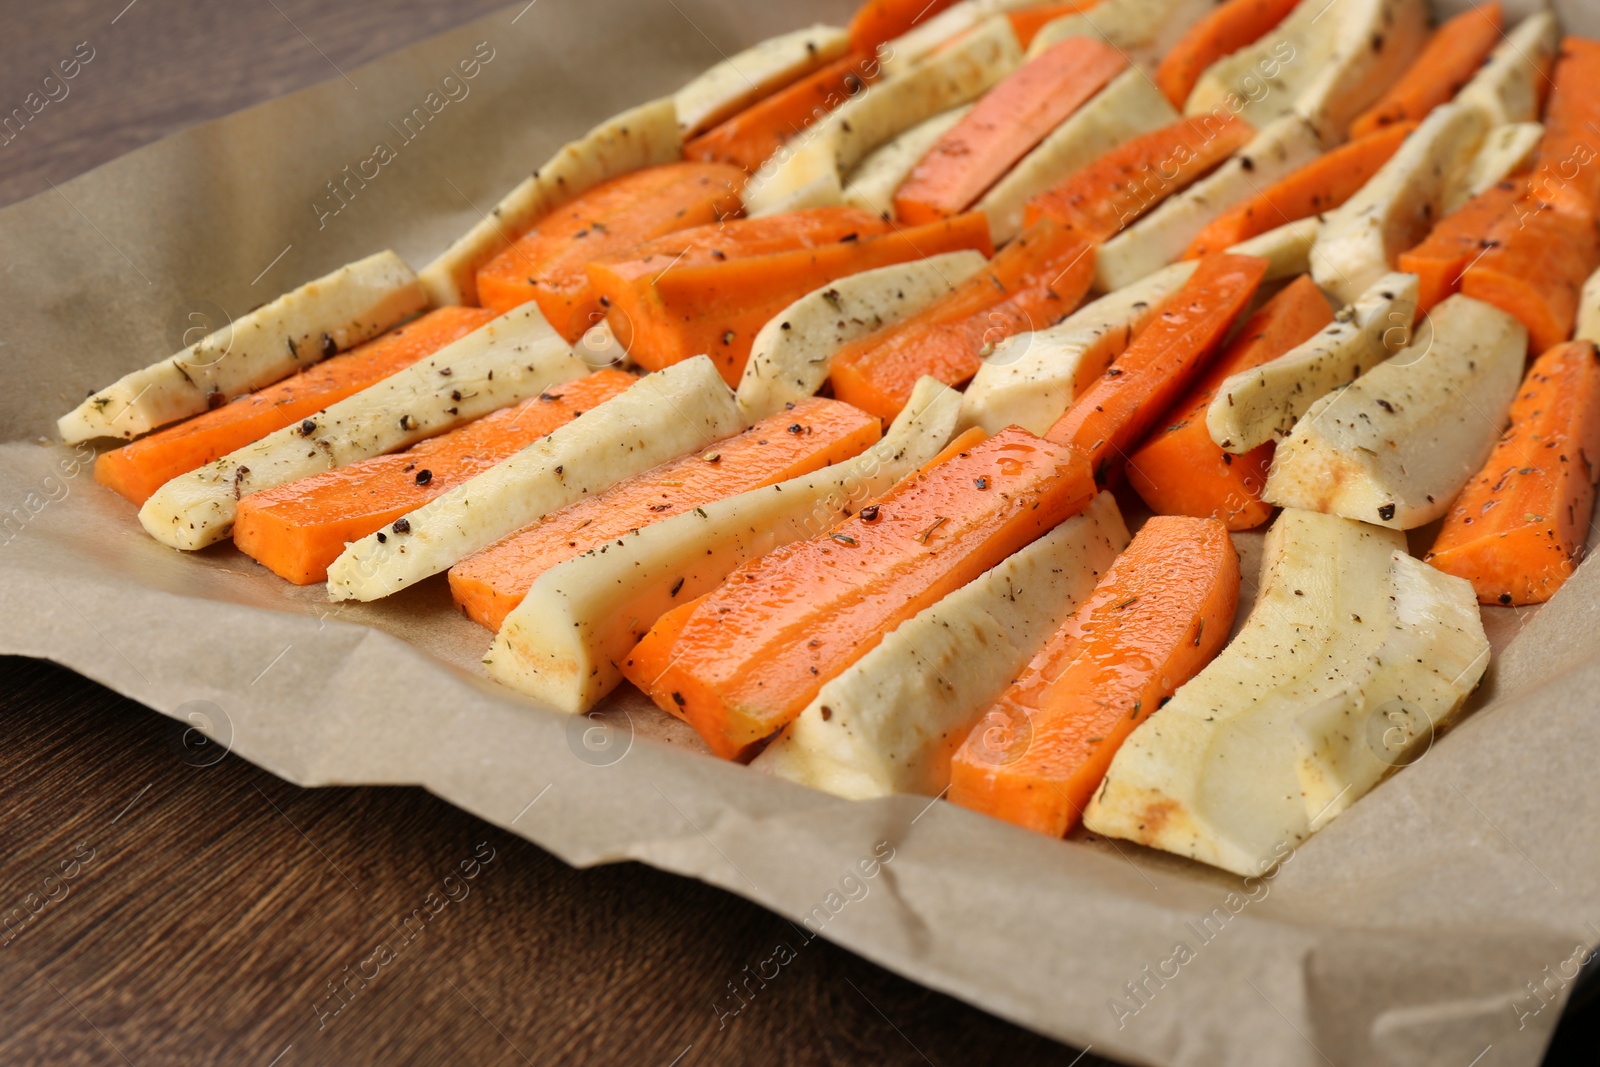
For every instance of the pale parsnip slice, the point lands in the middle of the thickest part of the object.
(1263, 403)
(1031, 378)
(807, 172)
(1588, 328)
(741, 79)
(335, 312)
(932, 34)
(1286, 249)
(561, 645)
(1145, 30)
(1510, 84)
(1161, 236)
(1353, 655)
(790, 356)
(506, 360)
(663, 415)
(871, 185)
(639, 137)
(892, 721)
(1361, 240)
(1129, 106)
(1396, 445)
(1505, 151)
(1326, 62)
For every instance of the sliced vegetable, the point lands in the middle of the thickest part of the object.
(1122, 185)
(1506, 150)
(812, 434)
(1321, 185)
(1447, 62)
(512, 358)
(1353, 658)
(1229, 27)
(789, 358)
(1031, 284)
(892, 720)
(1567, 174)
(1518, 529)
(642, 136)
(871, 185)
(321, 318)
(1510, 86)
(1145, 30)
(742, 79)
(1395, 446)
(754, 653)
(1028, 21)
(711, 289)
(1440, 261)
(1534, 265)
(1180, 470)
(673, 411)
(877, 21)
(1105, 421)
(1160, 614)
(749, 138)
(1004, 126)
(137, 470)
(562, 645)
(545, 265)
(297, 530)
(1263, 404)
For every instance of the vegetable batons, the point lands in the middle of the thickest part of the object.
(741, 663)
(1447, 62)
(1160, 614)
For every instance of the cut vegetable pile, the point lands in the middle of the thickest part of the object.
(928, 371)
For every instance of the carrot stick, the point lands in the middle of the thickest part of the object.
(749, 138)
(654, 653)
(755, 652)
(1567, 172)
(1534, 266)
(711, 289)
(1028, 21)
(1448, 61)
(877, 21)
(1118, 409)
(546, 265)
(1130, 180)
(1161, 612)
(1223, 31)
(1030, 284)
(808, 436)
(1003, 126)
(1180, 470)
(296, 530)
(1518, 529)
(1321, 185)
(1441, 259)
(137, 470)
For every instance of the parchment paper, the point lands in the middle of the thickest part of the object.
(1409, 932)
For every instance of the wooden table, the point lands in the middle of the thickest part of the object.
(218, 915)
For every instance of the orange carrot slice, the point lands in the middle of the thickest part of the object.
(1448, 61)
(1517, 530)
(1130, 180)
(710, 290)
(1533, 268)
(1566, 172)
(1180, 470)
(136, 470)
(1030, 284)
(751, 656)
(546, 264)
(1223, 31)
(1159, 615)
(1460, 237)
(1158, 365)
(1321, 185)
(296, 530)
(877, 21)
(749, 138)
(1028, 21)
(1007, 122)
(810, 435)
